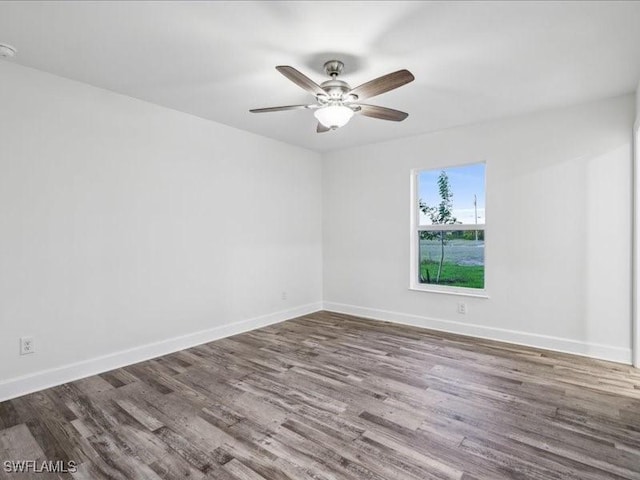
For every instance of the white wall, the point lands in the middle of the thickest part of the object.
(636, 246)
(128, 230)
(558, 245)
(123, 223)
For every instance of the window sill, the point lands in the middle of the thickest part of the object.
(461, 292)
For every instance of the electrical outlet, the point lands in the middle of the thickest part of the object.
(284, 295)
(462, 308)
(27, 346)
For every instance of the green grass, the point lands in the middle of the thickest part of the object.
(468, 276)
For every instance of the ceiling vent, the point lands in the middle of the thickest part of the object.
(7, 51)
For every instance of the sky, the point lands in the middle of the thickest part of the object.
(464, 183)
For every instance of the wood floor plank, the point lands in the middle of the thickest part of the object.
(334, 397)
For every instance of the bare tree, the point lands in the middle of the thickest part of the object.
(440, 215)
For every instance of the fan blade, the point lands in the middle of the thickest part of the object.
(280, 109)
(321, 128)
(383, 84)
(301, 80)
(382, 113)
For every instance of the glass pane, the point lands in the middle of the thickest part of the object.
(452, 195)
(454, 259)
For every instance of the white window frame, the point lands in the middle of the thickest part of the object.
(416, 227)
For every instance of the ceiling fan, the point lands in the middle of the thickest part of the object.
(337, 102)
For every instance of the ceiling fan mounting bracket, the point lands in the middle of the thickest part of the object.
(333, 68)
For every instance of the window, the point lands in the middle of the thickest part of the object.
(448, 229)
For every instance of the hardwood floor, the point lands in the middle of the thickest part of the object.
(329, 396)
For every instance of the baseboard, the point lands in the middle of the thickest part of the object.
(23, 385)
(593, 350)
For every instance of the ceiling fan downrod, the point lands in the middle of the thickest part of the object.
(334, 88)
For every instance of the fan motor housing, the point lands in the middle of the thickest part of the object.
(335, 88)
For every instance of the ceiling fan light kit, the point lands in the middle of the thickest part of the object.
(337, 102)
(334, 116)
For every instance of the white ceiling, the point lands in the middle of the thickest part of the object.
(472, 61)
